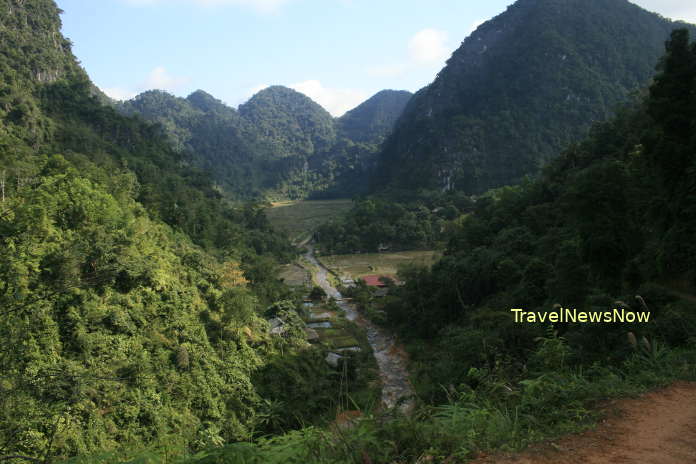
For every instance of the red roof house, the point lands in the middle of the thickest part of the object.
(373, 280)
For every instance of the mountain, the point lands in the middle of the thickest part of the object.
(609, 223)
(279, 143)
(291, 121)
(374, 119)
(212, 137)
(519, 88)
(132, 295)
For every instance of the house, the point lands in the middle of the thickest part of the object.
(374, 280)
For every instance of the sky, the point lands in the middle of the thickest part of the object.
(337, 52)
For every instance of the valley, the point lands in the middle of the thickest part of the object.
(258, 278)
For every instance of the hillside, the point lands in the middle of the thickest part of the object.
(132, 297)
(374, 119)
(611, 218)
(280, 143)
(519, 89)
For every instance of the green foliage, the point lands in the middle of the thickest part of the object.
(520, 89)
(598, 228)
(280, 143)
(377, 224)
(130, 291)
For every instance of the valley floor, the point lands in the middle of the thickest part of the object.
(656, 428)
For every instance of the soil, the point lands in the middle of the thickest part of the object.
(656, 428)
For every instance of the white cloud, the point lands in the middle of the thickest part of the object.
(159, 78)
(118, 93)
(428, 46)
(674, 9)
(336, 101)
(264, 6)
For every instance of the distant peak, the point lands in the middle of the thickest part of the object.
(199, 94)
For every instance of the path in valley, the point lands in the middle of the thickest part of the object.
(391, 359)
(657, 428)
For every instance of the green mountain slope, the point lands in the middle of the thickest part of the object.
(279, 143)
(520, 88)
(131, 294)
(374, 119)
(611, 218)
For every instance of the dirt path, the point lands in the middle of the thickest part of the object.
(391, 359)
(657, 428)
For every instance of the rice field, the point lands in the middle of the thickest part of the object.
(298, 219)
(359, 265)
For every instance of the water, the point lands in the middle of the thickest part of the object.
(391, 359)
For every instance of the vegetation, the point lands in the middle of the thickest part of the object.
(132, 297)
(518, 90)
(298, 219)
(418, 221)
(143, 320)
(612, 218)
(359, 265)
(279, 144)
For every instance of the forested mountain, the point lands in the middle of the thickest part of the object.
(131, 295)
(374, 119)
(611, 218)
(279, 143)
(518, 90)
(230, 148)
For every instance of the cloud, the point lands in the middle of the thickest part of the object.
(428, 46)
(118, 93)
(674, 9)
(264, 6)
(159, 78)
(336, 101)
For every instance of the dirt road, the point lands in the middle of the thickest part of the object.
(391, 359)
(657, 428)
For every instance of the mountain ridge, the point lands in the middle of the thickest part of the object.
(280, 142)
(521, 87)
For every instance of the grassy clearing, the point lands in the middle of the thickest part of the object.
(295, 276)
(360, 265)
(299, 218)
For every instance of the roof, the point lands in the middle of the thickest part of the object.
(373, 280)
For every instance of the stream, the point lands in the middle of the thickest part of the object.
(391, 359)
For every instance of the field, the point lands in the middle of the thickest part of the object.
(299, 218)
(295, 276)
(360, 265)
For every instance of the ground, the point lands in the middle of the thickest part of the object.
(360, 265)
(656, 428)
(294, 275)
(299, 218)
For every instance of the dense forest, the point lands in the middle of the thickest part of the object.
(133, 297)
(279, 144)
(518, 90)
(609, 224)
(139, 292)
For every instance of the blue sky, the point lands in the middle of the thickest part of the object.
(338, 52)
